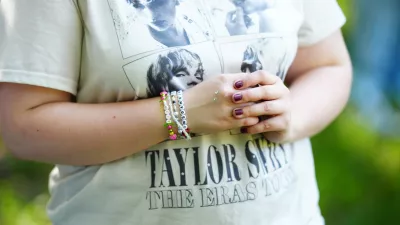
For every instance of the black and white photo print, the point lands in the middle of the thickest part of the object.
(270, 54)
(241, 17)
(173, 69)
(149, 25)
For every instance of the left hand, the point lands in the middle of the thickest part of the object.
(272, 100)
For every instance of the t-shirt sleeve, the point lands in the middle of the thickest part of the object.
(40, 43)
(321, 19)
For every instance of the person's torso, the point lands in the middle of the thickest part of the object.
(134, 50)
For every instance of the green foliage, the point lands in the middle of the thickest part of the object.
(358, 173)
(16, 211)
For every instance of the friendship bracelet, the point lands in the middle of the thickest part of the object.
(180, 126)
(168, 122)
(176, 112)
(174, 103)
(185, 130)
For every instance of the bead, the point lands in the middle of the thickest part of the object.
(169, 121)
(183, 117)
(185, 127)
(169, 127)
(171, 133)
(168, 117)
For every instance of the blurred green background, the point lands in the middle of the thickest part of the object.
(357, 170)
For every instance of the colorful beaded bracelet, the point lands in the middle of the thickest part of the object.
(176, 120)
(168, 122)
(173, 116)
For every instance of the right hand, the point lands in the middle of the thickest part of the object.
(204, 115)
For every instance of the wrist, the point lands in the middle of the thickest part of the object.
(188, 99)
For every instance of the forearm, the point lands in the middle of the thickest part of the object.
(87, 134)
(318, 97)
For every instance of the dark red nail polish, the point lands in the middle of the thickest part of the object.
(243, 130)
(238, 112)
(237, 97)
(238, 84)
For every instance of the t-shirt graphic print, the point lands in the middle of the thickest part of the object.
(181, 49)
(105, 51)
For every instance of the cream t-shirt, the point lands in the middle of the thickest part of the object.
(124, 50)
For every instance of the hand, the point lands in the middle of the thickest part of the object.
(272, 99)
(204, 115)
(235, 22)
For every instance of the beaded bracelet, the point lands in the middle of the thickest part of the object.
(186, 130)
(176, 120)
(174, 103)
(168, 122)
(176, 112)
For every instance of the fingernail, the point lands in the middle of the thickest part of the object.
(238, 112)
(243, 130)
(237, 97)
(238, 84)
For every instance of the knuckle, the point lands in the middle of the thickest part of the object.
(248, 111)
(267, 91)
(268, 106)
(247, 79)
(262, 75)
(248, 122)
(248, 95)
(265, 125)
(257, 94)
(253, 110)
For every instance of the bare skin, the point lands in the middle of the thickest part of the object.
(43, 124)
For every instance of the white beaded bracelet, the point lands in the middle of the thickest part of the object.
(182, 112)
(181, 127)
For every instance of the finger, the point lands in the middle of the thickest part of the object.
(267, 92)
(245, 122)
(253, 79)
(277, 123)
(267, 108)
